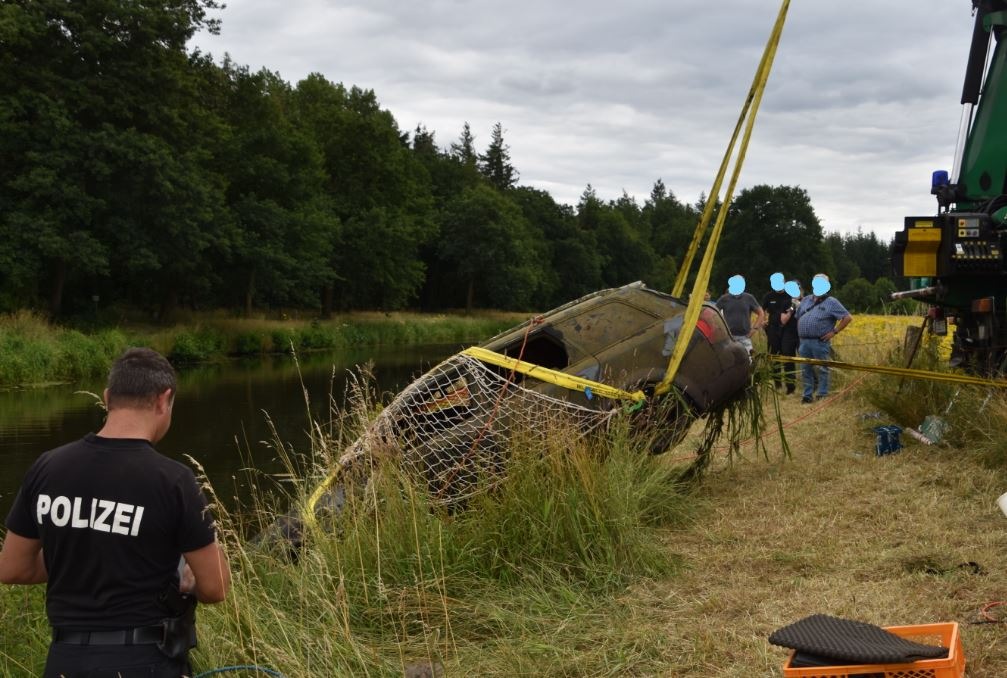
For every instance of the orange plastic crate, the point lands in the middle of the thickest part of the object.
(944, 634)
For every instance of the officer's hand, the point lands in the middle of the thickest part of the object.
(187, 580)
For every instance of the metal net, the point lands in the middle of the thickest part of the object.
(455, 427)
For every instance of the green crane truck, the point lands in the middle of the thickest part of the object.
(955, 258)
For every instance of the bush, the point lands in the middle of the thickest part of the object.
(251, 343)
(197, 345)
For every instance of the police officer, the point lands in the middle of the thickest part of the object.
(118, 533)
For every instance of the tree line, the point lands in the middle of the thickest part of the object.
(136, 171)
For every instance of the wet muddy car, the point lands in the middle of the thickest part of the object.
(455, 427)
(456, 423)
(624, 337)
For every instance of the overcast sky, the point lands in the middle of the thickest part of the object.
(862, 103)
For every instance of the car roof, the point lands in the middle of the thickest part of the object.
(654, 303)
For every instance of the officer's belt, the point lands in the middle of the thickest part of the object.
(141, 635)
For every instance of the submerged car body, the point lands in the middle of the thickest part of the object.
(623, 337)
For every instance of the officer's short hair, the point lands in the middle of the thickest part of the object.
(137, 377)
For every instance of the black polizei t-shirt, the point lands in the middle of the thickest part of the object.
(774, 304)
(114, 516)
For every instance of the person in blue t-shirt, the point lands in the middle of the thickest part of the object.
(820, 317)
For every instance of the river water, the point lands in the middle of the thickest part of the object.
(221, 416)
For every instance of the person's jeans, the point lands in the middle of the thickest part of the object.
(744, 340)
(819, 350)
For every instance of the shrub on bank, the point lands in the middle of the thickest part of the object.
(197, 345)
(32, 351)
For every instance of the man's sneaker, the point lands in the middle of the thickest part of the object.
(806, 400)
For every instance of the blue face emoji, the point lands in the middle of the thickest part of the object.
(793, 288)
(776, 281)
(820, 285)
(736, 284)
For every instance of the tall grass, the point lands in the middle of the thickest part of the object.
(397, 579)
(974, 417)
(523, 580)
(33, 351)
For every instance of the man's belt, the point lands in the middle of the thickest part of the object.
(141, 635)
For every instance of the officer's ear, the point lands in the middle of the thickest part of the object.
(164, 401)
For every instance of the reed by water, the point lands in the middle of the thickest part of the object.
(34, 351)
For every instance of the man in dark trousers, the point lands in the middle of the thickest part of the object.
(781, 333)
(118, 533)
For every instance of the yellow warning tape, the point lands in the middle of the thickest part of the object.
(896, 371)
(567, 381)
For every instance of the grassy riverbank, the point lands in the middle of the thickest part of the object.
(591, 561)
(33, 351)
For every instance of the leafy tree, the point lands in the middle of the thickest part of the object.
(285, 225)
(883, 289)
(769, 229)
(89, 154)
(626, 254)
(495, 163)
(572, 266)
(859, 295)
(488, 249)
(379, 189)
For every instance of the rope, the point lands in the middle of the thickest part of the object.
(897, 371)
(987, 617)
(245, 667)
(748, 114)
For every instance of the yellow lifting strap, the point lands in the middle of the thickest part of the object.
(308, 514)
(567, 381)
(747, 118)
(907, 372)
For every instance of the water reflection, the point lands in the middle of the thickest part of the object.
(220, 413)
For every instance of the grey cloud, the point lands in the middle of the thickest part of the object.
(861, 104)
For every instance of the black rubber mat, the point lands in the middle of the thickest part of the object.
(851, 642)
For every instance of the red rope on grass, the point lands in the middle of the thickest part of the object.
(984, 611)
